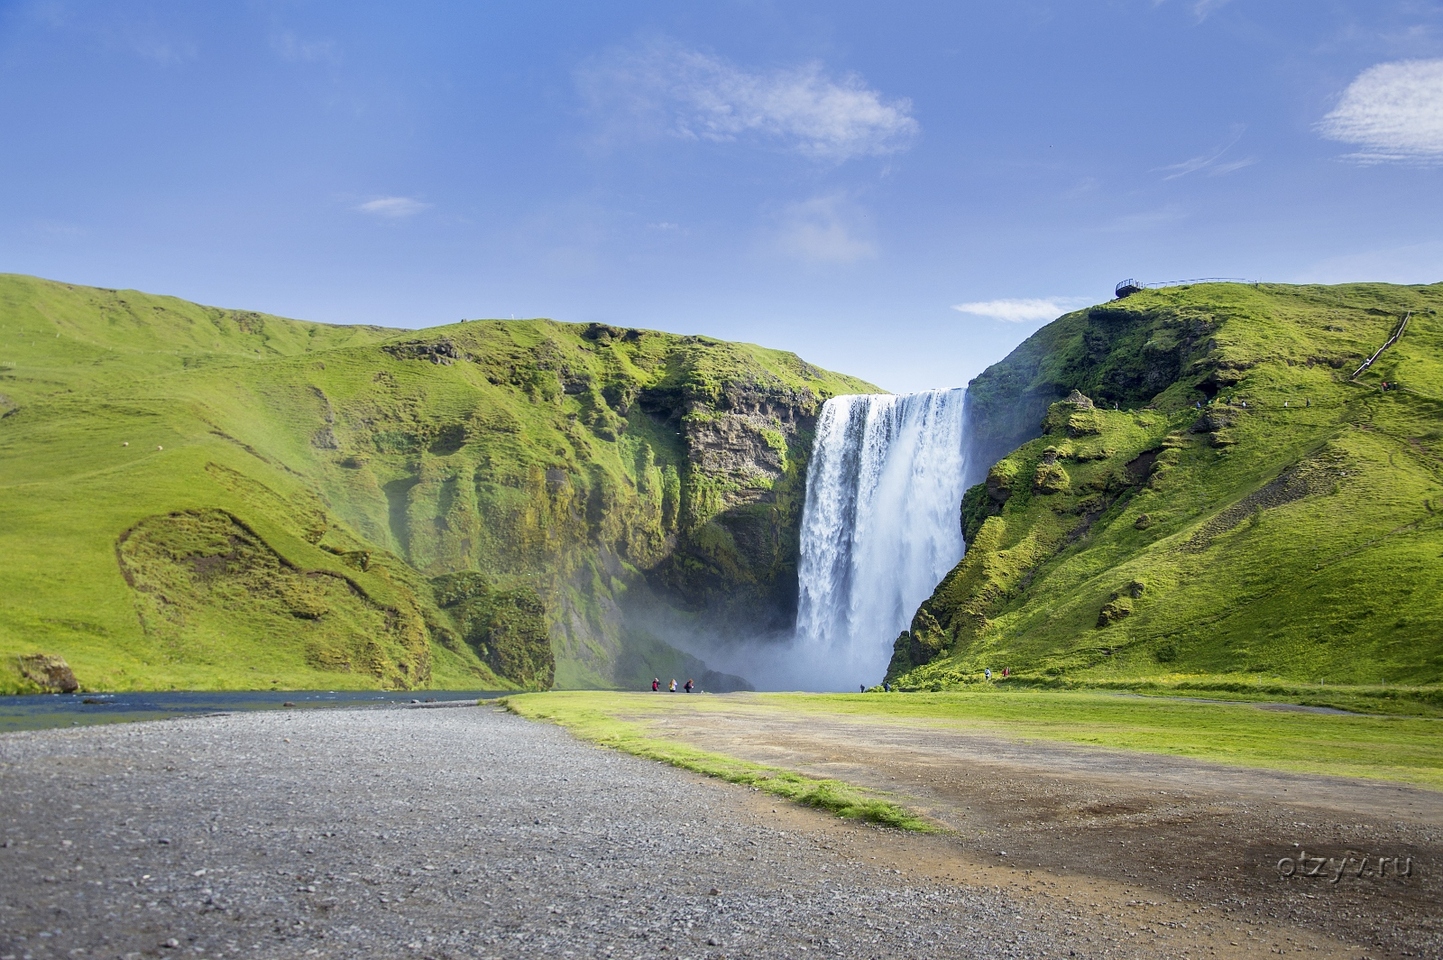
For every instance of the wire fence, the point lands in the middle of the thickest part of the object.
(1179, 283)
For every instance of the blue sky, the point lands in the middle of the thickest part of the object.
(833, 178)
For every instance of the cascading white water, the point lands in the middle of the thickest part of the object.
(880, 528)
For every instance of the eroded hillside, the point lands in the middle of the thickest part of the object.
(211, 498)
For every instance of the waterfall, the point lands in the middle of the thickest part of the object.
(880, 527)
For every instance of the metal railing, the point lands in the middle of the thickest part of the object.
(1402, 324)
(1130, 286)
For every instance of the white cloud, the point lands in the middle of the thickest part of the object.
(695, 96)
(1209, 161)
(824, 230)
(393, 207)
(1393, 111)
(1020, 310)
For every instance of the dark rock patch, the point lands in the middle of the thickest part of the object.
(49, 672)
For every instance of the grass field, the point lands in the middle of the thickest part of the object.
(1401, 749)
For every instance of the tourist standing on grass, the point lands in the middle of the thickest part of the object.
(673, 685)
(655, 684)
(688, 685)
(987, 674)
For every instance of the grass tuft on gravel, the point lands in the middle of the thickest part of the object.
(578, 714)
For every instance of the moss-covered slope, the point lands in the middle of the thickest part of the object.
(1212, 497)
(202, 498)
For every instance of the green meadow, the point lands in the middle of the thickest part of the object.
(1393, 748)
(201, 498)
(1194, 493)
(1225, 505)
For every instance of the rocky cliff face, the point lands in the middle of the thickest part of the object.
(744, 482)
(648, 487)
(1113, 353)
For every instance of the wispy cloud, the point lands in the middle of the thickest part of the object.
(1209, 162)
(163, 50)
(663, 87)
(1232, 166)
(1201, 9)
(1412, 263)
(393, 207)
(1393, 111)
(120, 28)
(58, 229)
(1144, 220)
(286, 45)
(824, 230)
(1021, 310)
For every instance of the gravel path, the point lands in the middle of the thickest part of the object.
(447, 833)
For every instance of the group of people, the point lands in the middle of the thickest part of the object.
(656, 685)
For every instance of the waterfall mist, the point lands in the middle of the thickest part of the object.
(881, 527)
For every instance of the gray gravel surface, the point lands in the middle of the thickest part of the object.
(439, 833)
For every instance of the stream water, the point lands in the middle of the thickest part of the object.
(39, 711)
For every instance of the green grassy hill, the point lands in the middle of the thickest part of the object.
(202, 498)
(1220, 504)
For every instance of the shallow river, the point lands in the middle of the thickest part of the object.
(41, 711)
